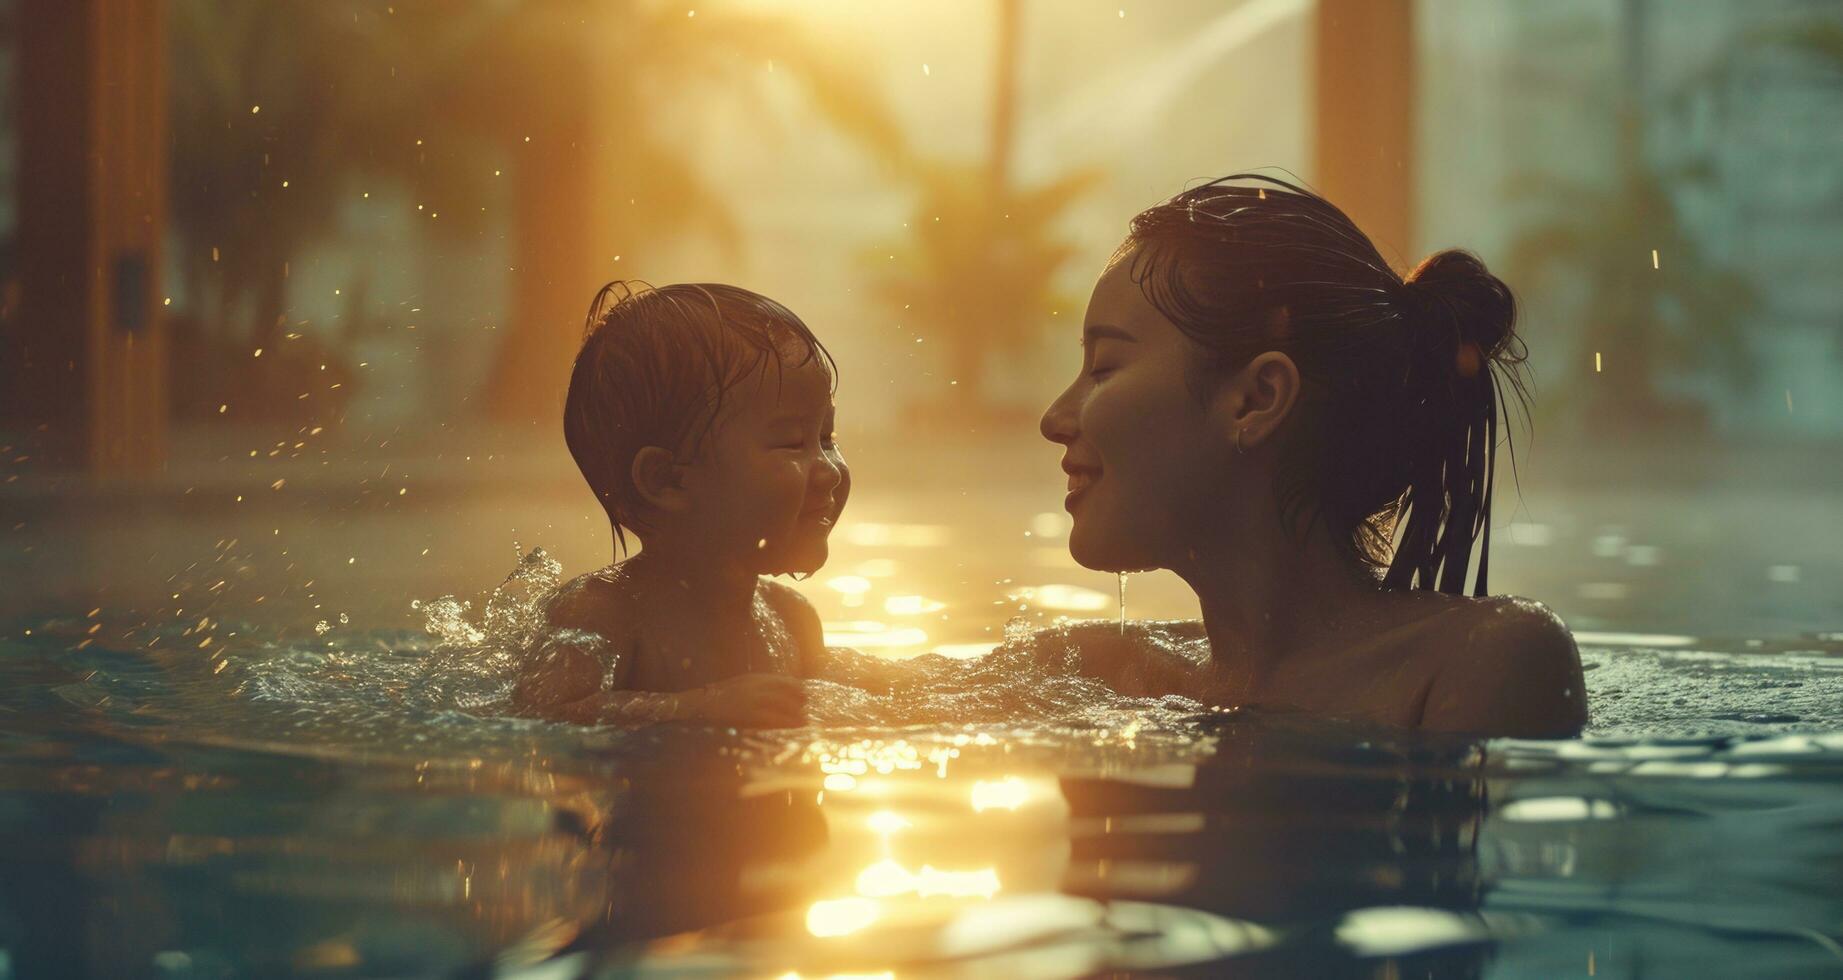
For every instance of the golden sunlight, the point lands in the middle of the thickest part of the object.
(1005, 794)
(840, 916)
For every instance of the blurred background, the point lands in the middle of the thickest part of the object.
(290, 288)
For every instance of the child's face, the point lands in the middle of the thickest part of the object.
(770, 481)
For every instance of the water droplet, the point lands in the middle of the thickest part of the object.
(1122, 603)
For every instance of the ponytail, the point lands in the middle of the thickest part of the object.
(1462, 320)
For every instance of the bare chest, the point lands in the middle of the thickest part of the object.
(675, 652)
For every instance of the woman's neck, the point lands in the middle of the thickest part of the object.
(1269, 597)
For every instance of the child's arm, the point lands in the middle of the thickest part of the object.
(574, 678)
(570, 675)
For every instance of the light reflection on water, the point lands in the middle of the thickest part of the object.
(873, 583)
(279, 818)
(911, 605)
(1005, 794)
(1070, 598)
(840, 916)
(351, 801)
(871, 534)
(871, 634)
(914, 575)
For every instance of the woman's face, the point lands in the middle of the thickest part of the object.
(1146, 463)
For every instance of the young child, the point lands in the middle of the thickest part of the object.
(701, 415)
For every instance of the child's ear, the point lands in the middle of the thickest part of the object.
(660, 479)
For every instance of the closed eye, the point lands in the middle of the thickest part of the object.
(1104, 342)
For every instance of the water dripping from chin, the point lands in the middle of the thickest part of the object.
(1122, 576)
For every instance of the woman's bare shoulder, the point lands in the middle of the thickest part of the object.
(1495, 620)
(1506, 666)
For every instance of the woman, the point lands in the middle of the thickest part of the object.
(1307, 439)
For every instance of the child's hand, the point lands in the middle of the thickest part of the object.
(754, 701)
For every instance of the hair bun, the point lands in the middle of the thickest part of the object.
(1454, 287)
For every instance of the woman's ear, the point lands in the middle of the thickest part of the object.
(659, 479)
(1258, 399)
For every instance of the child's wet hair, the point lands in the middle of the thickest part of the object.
(1403, 377)
(655, 366)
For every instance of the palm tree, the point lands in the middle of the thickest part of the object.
(977, 270)
(977, 273)
(1686, 313)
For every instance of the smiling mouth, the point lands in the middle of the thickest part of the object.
(1080, 479)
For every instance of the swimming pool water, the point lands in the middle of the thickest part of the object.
(223, 797)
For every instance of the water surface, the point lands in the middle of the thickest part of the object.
(224, 797)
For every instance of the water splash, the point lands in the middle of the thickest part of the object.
(450, 684)
(1035, 682)
(515, 612)
(446, 620)
(477, 663)
(447, 685)
(1018, 629)
(513, 616)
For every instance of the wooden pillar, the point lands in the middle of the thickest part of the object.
(86, 376)
(1364, 105)
(1004, 96)
(556, 228)
(562, 246)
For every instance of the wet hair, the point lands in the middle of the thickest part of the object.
(654, 368)
(1394, 442)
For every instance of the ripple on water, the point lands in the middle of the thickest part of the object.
(357, 801)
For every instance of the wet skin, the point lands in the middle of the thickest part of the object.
(1167, 474)
(689, 628)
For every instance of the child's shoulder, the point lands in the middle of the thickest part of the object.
(784, 599)
(794, 610)
(598, 601)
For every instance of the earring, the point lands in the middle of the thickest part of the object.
(1238, 449)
